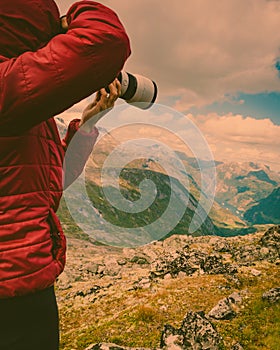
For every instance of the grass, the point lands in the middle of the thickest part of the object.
(257, 326)
(137, 318)
(262, 330)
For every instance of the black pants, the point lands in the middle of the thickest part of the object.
(29, 322)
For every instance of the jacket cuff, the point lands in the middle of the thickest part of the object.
(74, 127)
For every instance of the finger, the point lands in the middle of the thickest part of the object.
(119, 86)
(103, 102)
(113, 94)
(103, 95)
(98, 96)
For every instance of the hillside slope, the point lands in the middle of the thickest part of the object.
(266, 211)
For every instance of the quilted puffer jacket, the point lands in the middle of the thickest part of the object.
(42, 73)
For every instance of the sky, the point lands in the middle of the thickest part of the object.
(216, 62)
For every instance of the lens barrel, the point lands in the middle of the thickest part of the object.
(137, 89)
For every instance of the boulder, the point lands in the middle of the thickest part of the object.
(110, 346)
(271, 240)
(272, 295)
(223, 310)
(196, 332)
(271, 237)
(255, 272)
(172, 338)
(222, 246)
(236, 298)
(213, 264)
(140, 260)
(180, 262)
(91, 268)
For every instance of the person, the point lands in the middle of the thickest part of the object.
(43, 71)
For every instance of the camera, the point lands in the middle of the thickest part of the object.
(137, 89)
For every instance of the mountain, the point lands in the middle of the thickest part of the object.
(167, 208)
(259, 175)
(266, 211)
(239, 185)
(158, 161)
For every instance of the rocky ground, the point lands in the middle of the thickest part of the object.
(116, 295)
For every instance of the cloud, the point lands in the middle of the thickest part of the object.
(238, 138)
(202, 51)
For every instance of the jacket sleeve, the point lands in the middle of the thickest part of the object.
(38, 85)
(77, 152)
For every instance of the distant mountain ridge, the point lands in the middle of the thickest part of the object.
(260, 175)
(266, 211)
(240, 185)
(159, 212)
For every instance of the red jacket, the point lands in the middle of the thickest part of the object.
(42, 73)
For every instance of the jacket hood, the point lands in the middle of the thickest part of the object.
(26, 25)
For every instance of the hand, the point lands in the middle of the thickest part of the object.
(101, 105)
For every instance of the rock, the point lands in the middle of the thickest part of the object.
(91, 268)
(272, 295)
(235, 298)
(271, 237)
(213, 264)
(112, 269)
(255, 272)
(237, 346)
(140, 260)
(264, 252)
(247, 254)
(196, 332)
(110, 346)
(271, 240)
(223, 310)
(122, 262)
(83, 293)
(172, 338)
(183, 264)
(195, 259)
(143, 283)
(186, 262)
(63, 282)
(167, 276)
(222, 247)
(181, 274)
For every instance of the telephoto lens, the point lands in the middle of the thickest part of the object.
(137, 89)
